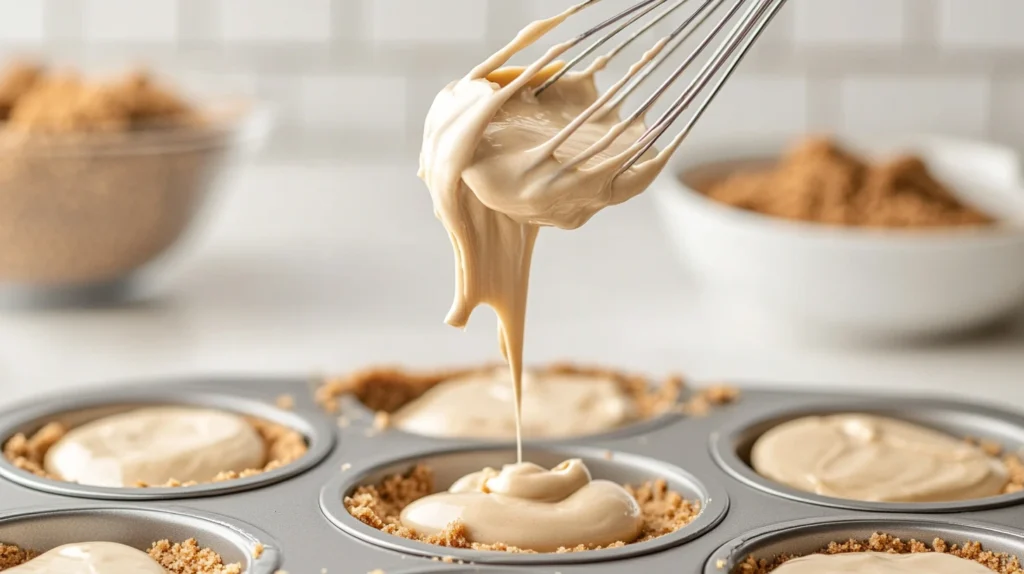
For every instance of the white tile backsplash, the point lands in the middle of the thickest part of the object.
(275, 20)
(22, 21)
(359, 102)
(433, 22)
(1008, 107)
(946, 105)
(981, 23)
(149, 21)
(953, 66)
(849, 22)
(752, 105)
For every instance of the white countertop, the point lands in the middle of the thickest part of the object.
(312, 267)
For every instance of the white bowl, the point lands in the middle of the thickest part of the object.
(856, 281)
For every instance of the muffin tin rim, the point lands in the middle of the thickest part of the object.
(241, 532)
(714, 508)
(319, 433)
(729, 550)
(722, 442)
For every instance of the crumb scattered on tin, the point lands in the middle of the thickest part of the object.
(257, 550)
(286, 402)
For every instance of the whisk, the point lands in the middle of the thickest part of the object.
(640, 18)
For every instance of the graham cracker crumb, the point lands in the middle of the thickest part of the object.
(179, 558)
(37, 101)
(380, 506)
(998, 562)
(286, 402)
(188, 558)
(257, 550)
(284, 446)
(704, 400)
(818, 181)
(377, 571)
(11, 556)
(345, 466)
(387, 389)
(381, 420)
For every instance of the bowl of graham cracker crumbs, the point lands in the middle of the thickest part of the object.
(899, 237)
(101, 176)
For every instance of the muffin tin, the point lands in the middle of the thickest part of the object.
(296, 513)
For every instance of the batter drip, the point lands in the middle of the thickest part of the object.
(533, 508)
(881, 563)
(499, 163)
(866, 457)
(91, 558)
(554, 405)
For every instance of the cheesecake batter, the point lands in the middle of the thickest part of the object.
(866, 457)
(532, 508)
(482, 404)
(154, 445)
(881, 563)
(91, 558)
(500, 162)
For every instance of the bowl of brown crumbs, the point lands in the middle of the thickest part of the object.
(99, 177)
(886, 238)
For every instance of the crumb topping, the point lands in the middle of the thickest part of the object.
(177, 558)
(380, 506)
(999, 562)
(387, 389)
(283, 445)
(818, 181)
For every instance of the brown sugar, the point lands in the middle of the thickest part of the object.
(283, 446)
(999, 562)
(178, 558)
(387, 389)
(817, 181)
(380, 506)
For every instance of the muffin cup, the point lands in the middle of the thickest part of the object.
(804, 537)
(78, 410)
(450, 465)
(42, 529)
(731, 446)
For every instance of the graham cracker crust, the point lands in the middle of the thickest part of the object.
(177, 558)
(283, 446)
(999, 562)
(380, 506)
(387, 389)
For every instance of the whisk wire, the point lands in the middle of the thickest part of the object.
(725, 58)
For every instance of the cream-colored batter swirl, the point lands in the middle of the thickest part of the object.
(90, 558)
(881, 563)
(154, 445)
(532, 508)
(872, 458)
(500, 162)
(482, 405)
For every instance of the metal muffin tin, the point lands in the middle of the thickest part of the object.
(296, 511)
